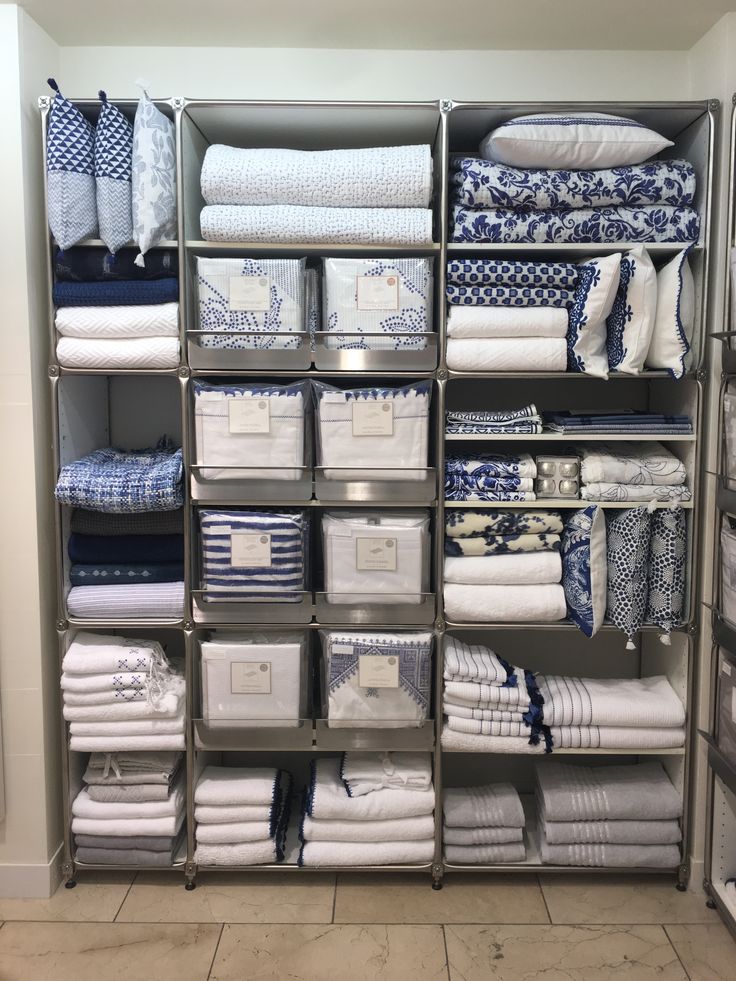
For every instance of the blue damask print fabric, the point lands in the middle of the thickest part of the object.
(508, 272)
(467, 524)
(489, 477)
(502, 544)
(509, 296)
(667, 569)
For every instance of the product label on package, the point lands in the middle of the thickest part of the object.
(249, 551)
(378, 671)
(250, 678)
(249, 415)
(378, 292)
(250, 293)
(374, 417)
(375, 554)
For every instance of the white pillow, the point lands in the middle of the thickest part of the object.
(675, 318)
(592, 303)
(631, 321)
(572, 140)
(153, 178)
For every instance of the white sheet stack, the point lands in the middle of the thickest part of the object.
(636, 472)
(369, 809)
(483, 825)
(121, 695)
(241, 815)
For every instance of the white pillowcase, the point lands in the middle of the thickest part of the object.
(592, 303)
(675, 318)
(571, 140)
(631, 321)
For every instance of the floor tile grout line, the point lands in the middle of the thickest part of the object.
(122, 903)
(214, 953)
(334, 899)
(447, 956)
(677, 952)
(544, 899)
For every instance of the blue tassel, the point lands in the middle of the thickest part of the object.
(54, 86)
(103, 96)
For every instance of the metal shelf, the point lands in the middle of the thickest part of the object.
(203, 247)
(577, 502)
(568, 438)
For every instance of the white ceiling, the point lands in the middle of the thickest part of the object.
(412, 24)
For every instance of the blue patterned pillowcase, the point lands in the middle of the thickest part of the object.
(153, 178)
(627, 552)
(631, 320)
(584, 571)
(113, 165)
(592, 303)
(72, 204)
(667, 565)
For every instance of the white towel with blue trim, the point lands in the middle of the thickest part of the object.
(107, 653)
(393, 829)
(362, 773)
(328, 799)
(474, 662)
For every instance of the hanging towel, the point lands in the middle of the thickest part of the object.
(226, 785)
(468, 524)
(113, 293)
(529, 354)
(493, 805)
(630, 463)
(499, 604)
(138, 600)
(611, 856)
(481, 836)
(393, 830)
(344, 854)
(328, 799)
(119, 525)
(505, 854)
(514, 568)
(497, 322)
(362, 773)
(119, 352)
(635, 492)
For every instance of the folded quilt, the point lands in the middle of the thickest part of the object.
(639, 792)
(611, 856)
(504, 736)
(639, 702)
(129, 827)
(481, 836)
(157, 320)
(143, 842)
(466, 524)
(95, 744)
(520, 567)
(100, 574)
(328, 798)
(117, 525)
(87, 549)
(485, 854)
(84, 806)
(116, 293)
(476, 183)
(363, 773)
(535, 353)
(512, 272)
(370, 177)
(321, 226)
(119, 352)
(124, 856)
(497, 322)
(509, 296)
(648, 223)
(85, 264)
(612, 832)
(630, 463)
(635, 492)
(474, 662)
(392, 830)
(221, 814)
(123, 481)
(351, 662)
(164, 600)
(494, 805)
(485, 545)
(342, 854)
(228, 785)
(139, 727)
(509, 604)
(245, 853)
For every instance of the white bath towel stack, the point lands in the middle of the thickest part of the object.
(369, 809)
(483, 825)
(145, 336)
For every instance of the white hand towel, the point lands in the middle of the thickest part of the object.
(118, 352)
(141, 320)
(140, 727)
(468, 735)
(328, 800)
(245, 853)
(494, 805)
(98, 654)
(228, 785)
(631, 463)
(363, 773)
(481, 836)
(84, 806)
(506, 322)
(396, 829)
(233, 813)
(169, 706)
(501, 604)
(507, 354)
(479, 695)
(103, 682)
(130, 827)
(474, 662)
(507, 854)
(463, 710)
(515, 568)
(110, 744)
(345, 854)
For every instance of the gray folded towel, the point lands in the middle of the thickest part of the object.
(639, 792)
(495, 805)
(124, 856)
(611, 832)
(144, 843)
(134, 793)
(485, 854)
(126, 768)
(482, 836)
(612, 856)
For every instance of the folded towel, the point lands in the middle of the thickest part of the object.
(84, 806)
(89, 264)
(509, 296)
(483, 545)
(496, 323)
(638, 702)
(513, 735)
(528, 428)
(506, 272)
(463, 742)
(159, 320)
(489, 696)
(115, 696)
(156, 523)
(507, 721)
(227, 785)
(494, 805)
(635, 492)
(109, 744)
(234, 833)
(519, 567)
(536, 353)
(118, 352)
(103, 682)
(124, 856)
(221, 814)
(630, 463)
(612, 832)
(497, 466)
(468, 524)
(499, 604)
(164, 600)
(167, 826)
(85, 549)
(127, 768)
(481, 836)
(139, 727)
(111, 293)
(392, 830)
(345, 854)
(364, 773)
(504, 854)
(328, 799)
(474, 662)
(263, 852)
(113, 574)
(131, 794)
(611, 856)
(168, 705)
(144, 842)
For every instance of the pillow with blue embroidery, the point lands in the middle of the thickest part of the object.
(572, 141)
(675, 319)
(70, 176)
(154, 178)
(627, 551)
(591, 305)
(113, 166)
(631, 321)
(584, 571)
(667, 564)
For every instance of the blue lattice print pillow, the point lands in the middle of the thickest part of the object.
(592, 303)
(631, 320)
(113, 168)
(70, 176)
(627, 550)
(584, 569)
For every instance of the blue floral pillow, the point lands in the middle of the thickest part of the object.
(627, 549)
(592, 303)
(113, 165)
(70, 174)
(584, 571)
(667, 564)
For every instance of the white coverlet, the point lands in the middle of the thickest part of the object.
(348, 854)
(497, 604)
(507, 354)
(328, 800)
(514, 568)
(501, 322)
(363, 773)
(393, 829)
(147, 320)
(118, 352)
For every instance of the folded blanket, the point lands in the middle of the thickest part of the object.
(507, 354)
(489, 429)
(636, 702)
(116, 293)
(520, 567)
(474, 662)
(100, 654)
(263, 852)
(495, 490)
(612, 832)
(113, 574)
(510, 272)
(118, 352)
(124, 856)
(648, 223)
(635, 492)
(84, 806)
(392, 830)
(495, 466)
(328, 799)
(107, 744)
(506, 736)
(639, 792)
(525, 420)
(129, 827)
(476, 183)
(612, 856)
(630, 463)
(364, 773)
(484, 545)
(124, 481)
(494, 805)
(221, 814)
(85, 264)
(137, 600)
(157, 320)
(131, 794)
(86, 549)
(485, 854)
(345, 854)
(499, 604)
(496, 322)
(481, 695)
(139, 727)
(481, 836)
(370, 177)
(509, 296)
(143, 842)
(290, 223)
(228, 785)
(123, 525)
(465, 523)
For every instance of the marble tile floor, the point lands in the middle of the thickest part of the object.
(364, 928)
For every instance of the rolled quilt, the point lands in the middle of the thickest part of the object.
(320, 226)
(116, 293)
(499, 604)
(477, 183)
(480, 545)
(377, 680)
(109, 574)
(630, 463)
(611, 856)
(635, 492)
(511, 272)
(469, 524)
(153, 320)
(474, 662)
(350, 854)
(85, 264)
(513, 568)
(509, 296)
(145, 523)
(395, 829)
(494, 805)
(370, 177)
(496, 322)
(612, 832)
(525, 353)
(87, 549)
(165, 600)
(124, 481)
(251, 303)
(118, 352)
(505, 854)
(328, 800)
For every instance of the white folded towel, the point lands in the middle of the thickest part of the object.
(103, 682)
(139, 727)
(393, 829)
(499, 604)
(479, 695)
(464, 710)
(117, 696)
(505, 854)
(234, 833)
(481, 836)
(113, 743)
(494, 805)
(363, 773)
(244, 853)
(168, 706)
(506, 322)
(83, 806)
(514, 568)
(342, 854)
(328, 800)
(131, 827)
(233, 813)
(118, 352)
(637, 702)
(238, 785)
(472, 736)
(97, 654)
(473, 662)
(507, 354)
(140, 320)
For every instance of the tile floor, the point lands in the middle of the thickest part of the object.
(364, 928)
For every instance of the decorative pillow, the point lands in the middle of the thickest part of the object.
(592, 303)
(572, 141)
(70, 142)
(631, 320)
(667, 577)
(113, 165)
(627, 549)
(675, 319)
(154, 177)
(584, 569)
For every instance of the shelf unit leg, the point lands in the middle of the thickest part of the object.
(190, 874)
(437, 876)
(67, 871)
(683, 877)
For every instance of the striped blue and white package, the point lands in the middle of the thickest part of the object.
(253, 556)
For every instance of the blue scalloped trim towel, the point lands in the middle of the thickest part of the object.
(118, 293)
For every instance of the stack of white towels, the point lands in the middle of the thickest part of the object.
(483, 825)
(241, 815)
(366, 196)
(369, 809)
(608, 816)
(636, 472)
(131, 811)
(121, 695)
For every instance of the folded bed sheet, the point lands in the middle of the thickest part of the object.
(522, 353)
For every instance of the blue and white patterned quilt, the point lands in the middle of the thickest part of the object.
(510, 272)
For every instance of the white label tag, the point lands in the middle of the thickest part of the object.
(378, 671)
(250, 293)
(250, 678)
(249, 551)
(726, 668)
(249, 415)
(374, 417)
(378, 292)
(375, 554)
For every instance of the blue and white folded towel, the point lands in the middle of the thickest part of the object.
(632, 421)
(509, 296)
(474, 662)
(526, 420)
(510, 272)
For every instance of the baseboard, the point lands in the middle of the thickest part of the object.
(697, 873)
(31, 881)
